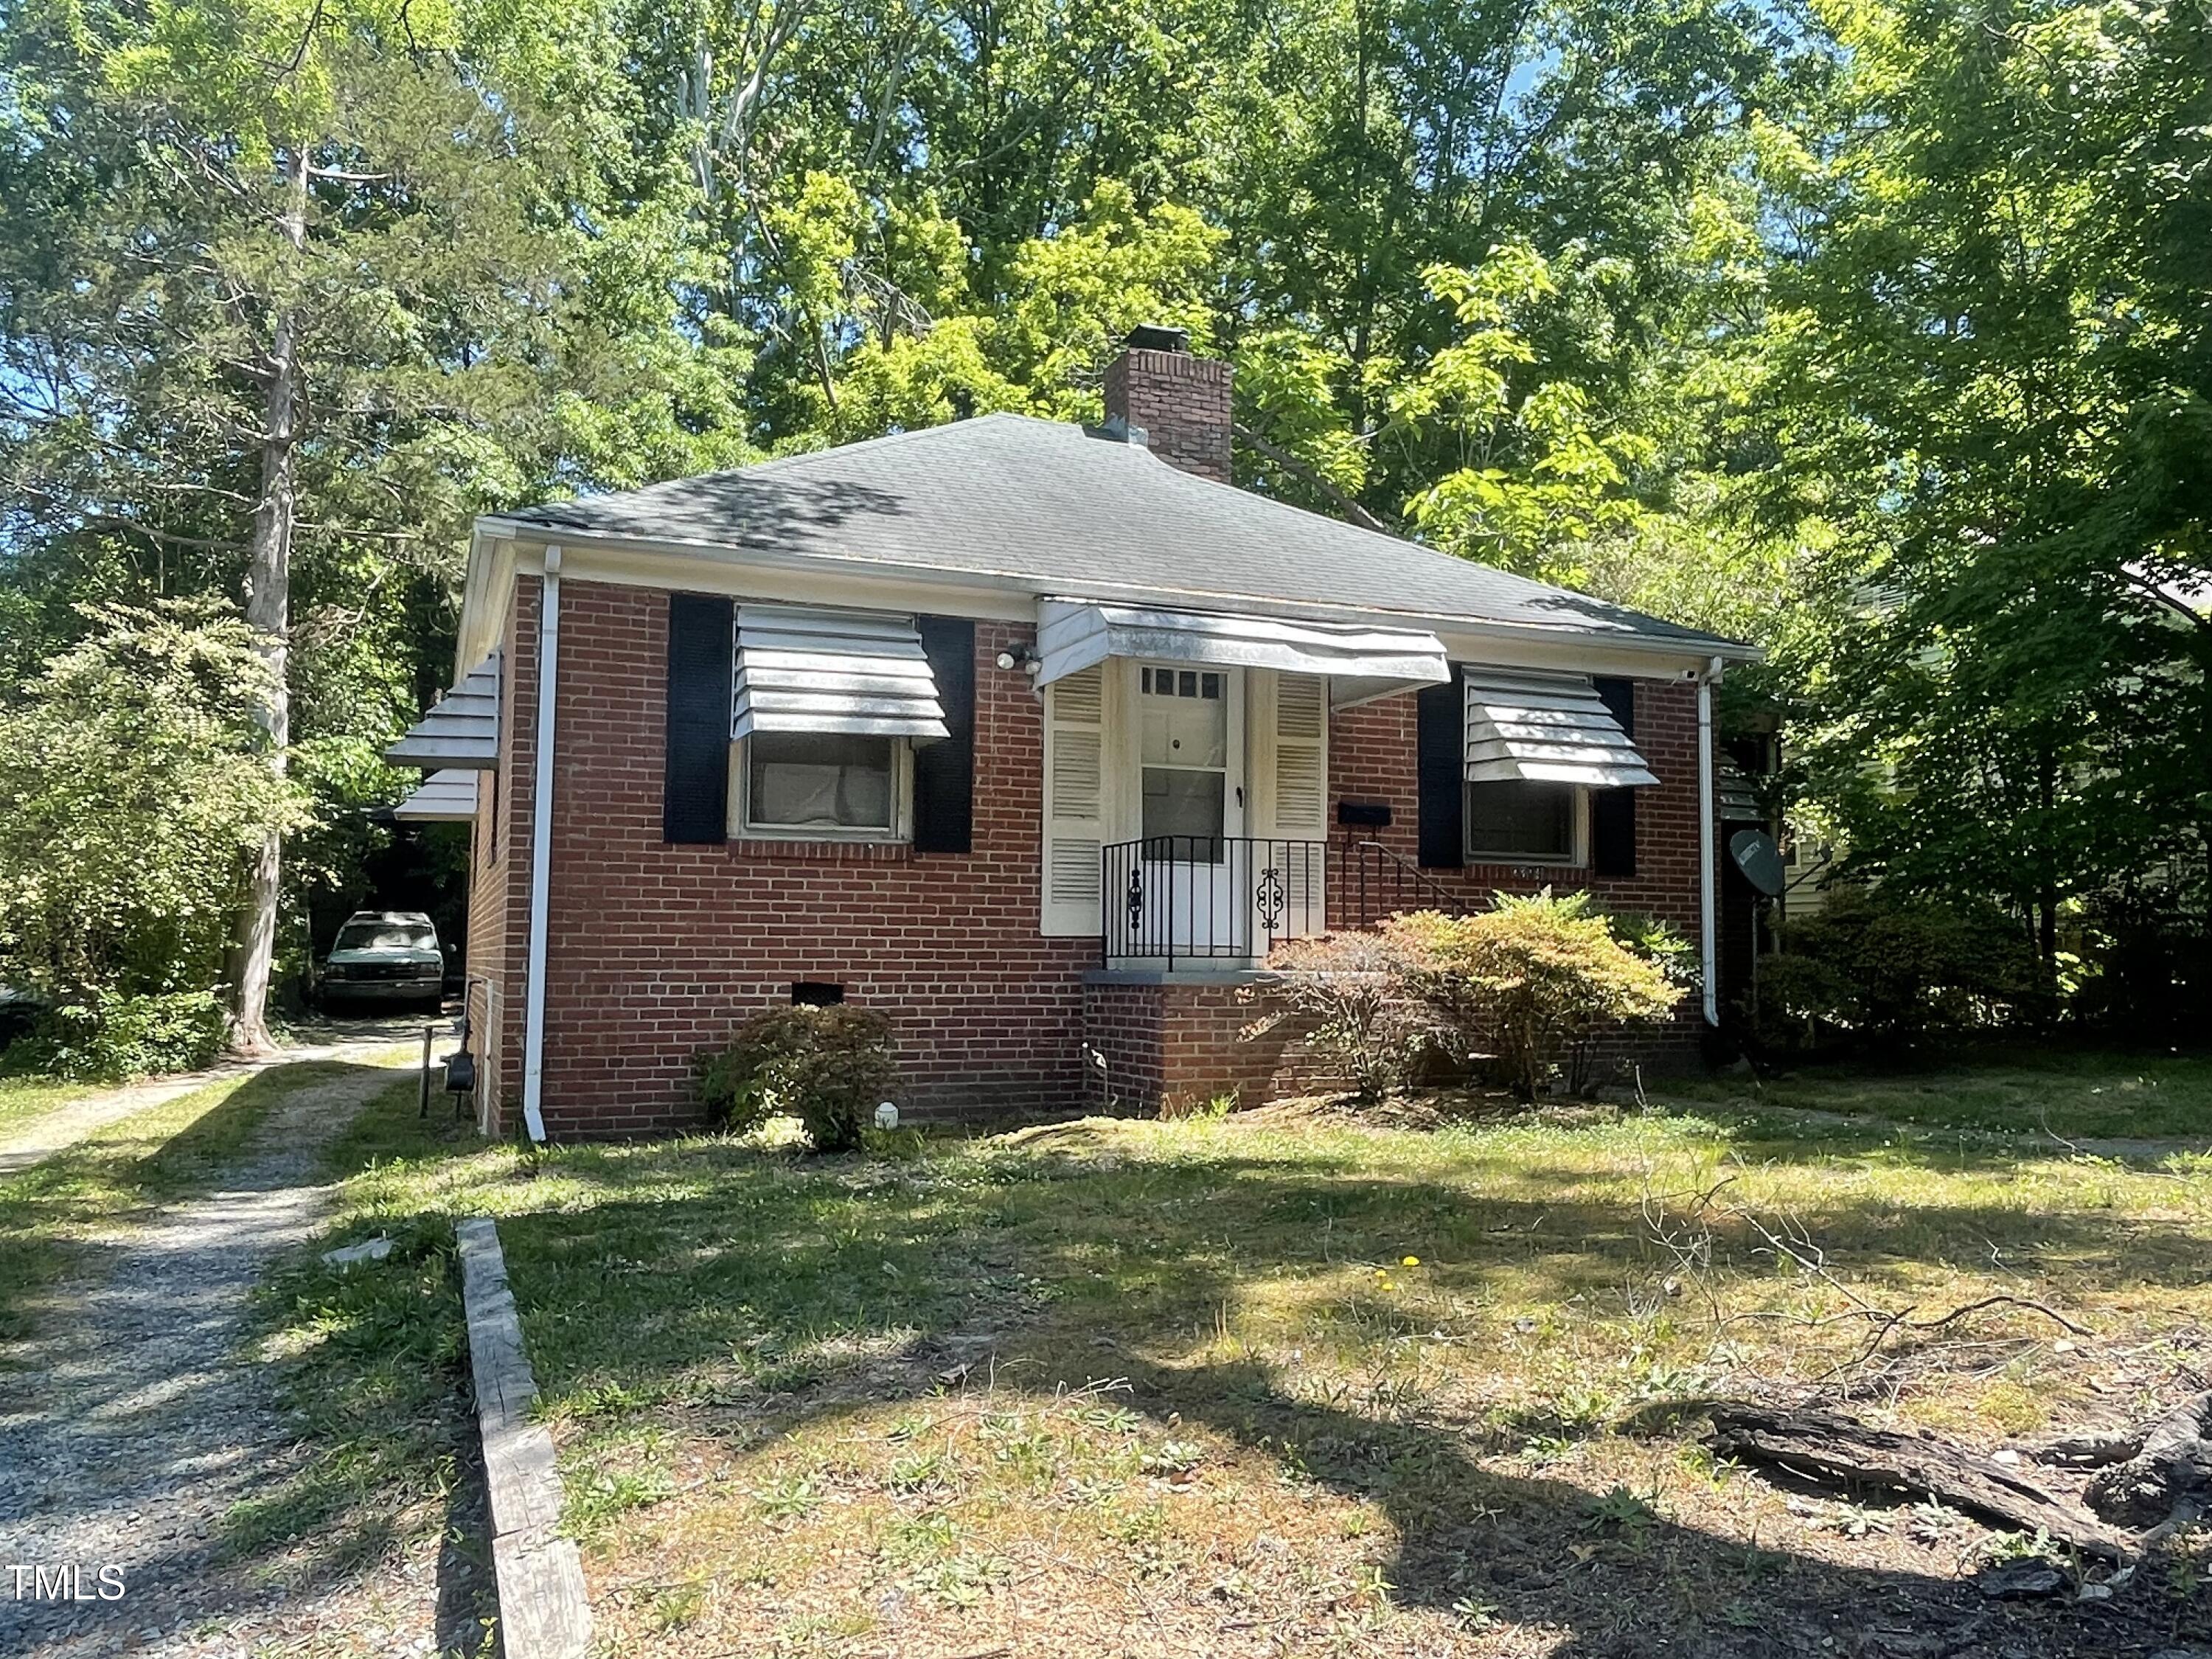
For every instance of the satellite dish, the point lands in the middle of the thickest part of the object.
(1760, 858)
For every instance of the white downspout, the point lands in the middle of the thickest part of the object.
(541, 854)
(1708, 916)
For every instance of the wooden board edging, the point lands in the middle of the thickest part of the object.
(544, 1611)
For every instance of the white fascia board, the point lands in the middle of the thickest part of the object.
(487, 590)
(1578, 655)
(1012, 596)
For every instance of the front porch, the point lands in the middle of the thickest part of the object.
(1221, 904)
(1177, 1013)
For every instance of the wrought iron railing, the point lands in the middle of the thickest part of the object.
(1374, 882)
(1213, 898)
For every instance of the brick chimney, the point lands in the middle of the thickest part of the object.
(1181, 402)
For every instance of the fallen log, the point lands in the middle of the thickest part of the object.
(1831, 1447)
(2092, 1449)
(2172, 1461)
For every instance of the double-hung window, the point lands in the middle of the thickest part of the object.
(795, 783)
(827, 708)
(1536, 744)
(1515, 821)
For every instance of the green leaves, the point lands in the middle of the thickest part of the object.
(132, 788)
(1979, 371)
(1545, 484)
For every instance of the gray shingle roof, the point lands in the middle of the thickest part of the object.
(1049, 505)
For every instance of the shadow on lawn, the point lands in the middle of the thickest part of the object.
(1622, 1580)
(760, 1256)
(681, 1278)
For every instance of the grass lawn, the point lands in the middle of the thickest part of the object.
(1276, 1384)
(23, 1099)
(2062, 1093)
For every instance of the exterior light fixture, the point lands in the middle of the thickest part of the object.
(1023, 657)
(887, 1117)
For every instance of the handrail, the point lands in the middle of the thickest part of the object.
(1447, 900)
(1208, 898)
(1234, 898)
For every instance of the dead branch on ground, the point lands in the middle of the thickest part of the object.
(1828, 1446)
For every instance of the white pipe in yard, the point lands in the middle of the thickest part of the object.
(541, 852)
(1708, 923)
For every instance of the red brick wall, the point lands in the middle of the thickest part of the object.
(1122, 1030)
(1371, 757)
(1169, 1047)
(499, 875)
(655, 951)
(1183, 403)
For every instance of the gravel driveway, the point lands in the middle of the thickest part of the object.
(127, 1432)
(67, 1125)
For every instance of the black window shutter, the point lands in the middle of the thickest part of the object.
(1440, 750)
(945, 771)
(1613, 812)
(695, 806)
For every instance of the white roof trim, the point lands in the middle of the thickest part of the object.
(448, 797)
(462, 731)
(804, 669)
(1546, 728)
(504, 549)
(1361, 662)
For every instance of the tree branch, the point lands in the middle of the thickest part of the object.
(1293, 464)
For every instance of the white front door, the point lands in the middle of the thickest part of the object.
(1191, 788)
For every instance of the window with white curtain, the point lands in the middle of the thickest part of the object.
(815, 784)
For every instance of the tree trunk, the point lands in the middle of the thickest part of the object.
(2046, 896)
(269, 614)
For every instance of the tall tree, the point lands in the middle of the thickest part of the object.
(319, 279)
(1991, 371)
(133, 781)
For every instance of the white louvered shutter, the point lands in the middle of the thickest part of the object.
(1302, 757)
(1074, 801)
(1301, 794)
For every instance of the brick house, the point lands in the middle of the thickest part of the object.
(1033, 737)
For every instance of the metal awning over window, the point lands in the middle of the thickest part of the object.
(863, 673)
(1546, 728)
(462, 731)
(1361, 663)
(1738, 796)
(448, 797)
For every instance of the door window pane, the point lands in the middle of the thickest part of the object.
(1185, 727)
(1186, 806)
(1183, 740)
(1521, 820)
(805, 781)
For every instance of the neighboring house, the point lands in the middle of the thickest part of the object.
(1032, 736)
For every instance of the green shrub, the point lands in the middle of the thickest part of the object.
(2145, 967)
(1884, 970)
(1528, 983)
(1660, 942)
(105, 1034)
(1352, 990)
(826, 1066)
